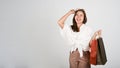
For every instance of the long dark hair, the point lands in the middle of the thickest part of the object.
(74, 26)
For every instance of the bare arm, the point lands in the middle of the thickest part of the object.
(62, 19)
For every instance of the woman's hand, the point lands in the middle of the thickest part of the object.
(72, 11)
(97, 34)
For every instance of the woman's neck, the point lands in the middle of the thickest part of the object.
(79, 25)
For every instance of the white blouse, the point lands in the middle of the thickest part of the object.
(78, 40)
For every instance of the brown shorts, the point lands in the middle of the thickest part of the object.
(79, 62)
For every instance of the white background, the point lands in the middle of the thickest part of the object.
(30, 36)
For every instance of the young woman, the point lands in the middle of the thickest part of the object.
(78, 36)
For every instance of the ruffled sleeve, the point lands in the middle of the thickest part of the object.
(66, 33)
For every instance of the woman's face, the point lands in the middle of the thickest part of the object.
(79, 17)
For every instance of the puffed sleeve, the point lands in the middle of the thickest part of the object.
(66, 33)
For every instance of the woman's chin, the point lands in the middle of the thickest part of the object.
(79, 23)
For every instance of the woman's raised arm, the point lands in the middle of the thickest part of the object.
(63, 18)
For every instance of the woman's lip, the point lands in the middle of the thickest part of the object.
(78, 19)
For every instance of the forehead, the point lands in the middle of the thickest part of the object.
(79, 12)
